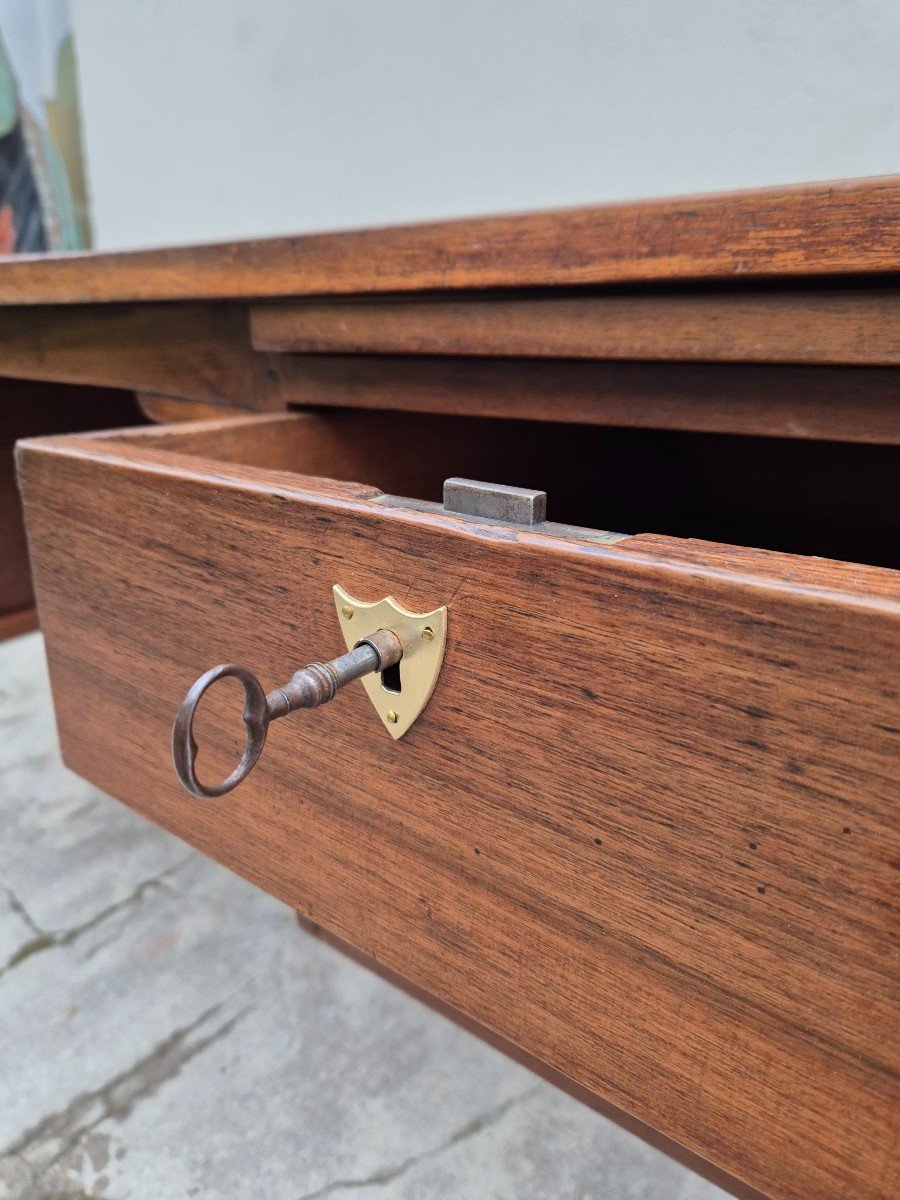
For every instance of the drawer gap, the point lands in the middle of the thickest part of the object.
(746, 491)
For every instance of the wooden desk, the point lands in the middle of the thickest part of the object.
(645, 829)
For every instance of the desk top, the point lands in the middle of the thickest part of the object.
(850, 227)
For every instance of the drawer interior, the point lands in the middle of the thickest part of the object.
(746, 491)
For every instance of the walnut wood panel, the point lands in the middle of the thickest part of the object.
(851, 326)
(646, 828)
(847, 227)
(196, 351)
(851, 404)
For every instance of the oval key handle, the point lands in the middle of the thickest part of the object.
(307, 688)
(256, 719)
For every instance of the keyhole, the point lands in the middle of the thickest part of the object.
(390, 679)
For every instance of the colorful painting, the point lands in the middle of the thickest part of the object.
(43, 200)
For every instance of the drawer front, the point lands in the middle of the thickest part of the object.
(645, 828)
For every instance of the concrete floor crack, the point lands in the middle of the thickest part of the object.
(45, 939)
(46, 1144)
(386, 1175)
(21, 911)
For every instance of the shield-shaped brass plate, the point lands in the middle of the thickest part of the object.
(398, 696)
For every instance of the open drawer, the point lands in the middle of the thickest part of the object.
(645, 827)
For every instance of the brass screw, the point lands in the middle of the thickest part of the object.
(428, 633)
(347, 612)
(392, 717)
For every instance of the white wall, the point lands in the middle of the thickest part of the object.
(210, 119)
(32, 33)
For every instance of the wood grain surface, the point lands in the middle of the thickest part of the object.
(645, 829)
(201, 354)
(859, 326)
(851, 404)
(700, 1166)
(196, 351)
(839, 228)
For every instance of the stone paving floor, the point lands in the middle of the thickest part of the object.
(167, 1031)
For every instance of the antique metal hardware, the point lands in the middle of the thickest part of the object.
(497, 501)
(382, 635)
(398, 698)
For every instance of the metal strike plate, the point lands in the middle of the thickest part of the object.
(400, 694)
(513, 505)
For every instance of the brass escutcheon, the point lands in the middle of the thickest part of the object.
(423, 636)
